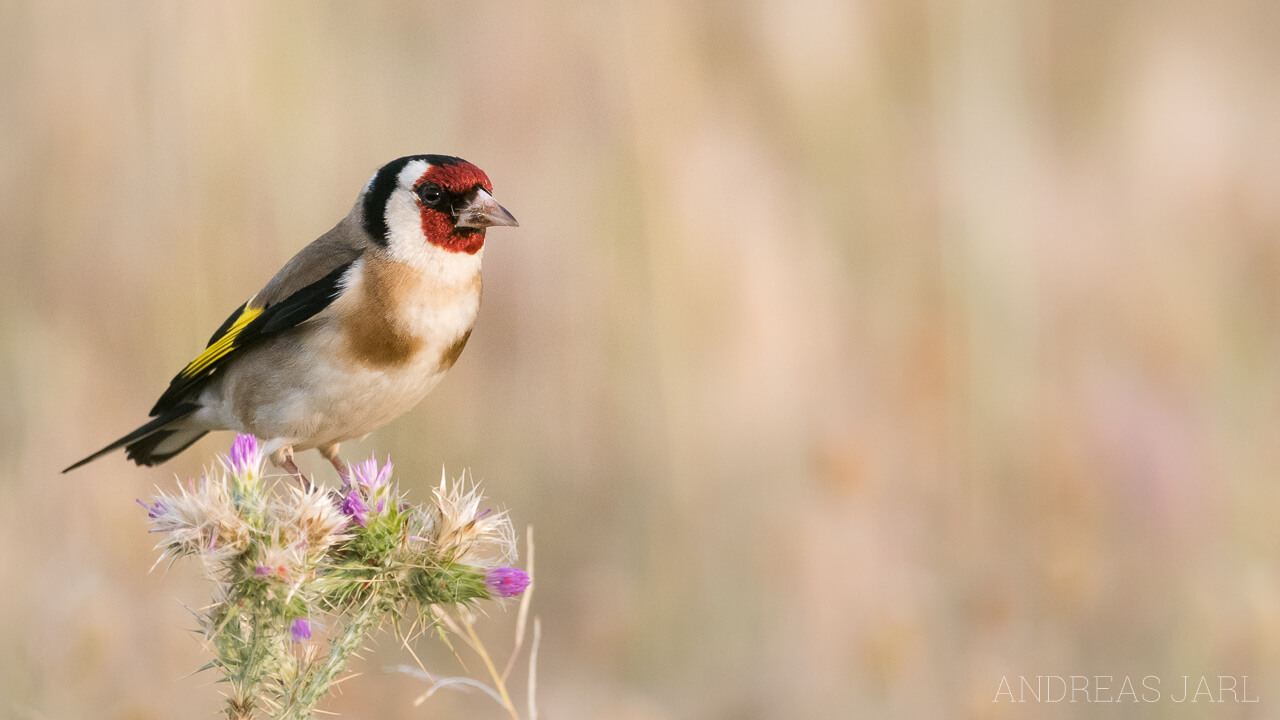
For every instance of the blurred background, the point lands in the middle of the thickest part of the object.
(851, 355)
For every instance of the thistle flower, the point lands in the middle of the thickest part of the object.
(245, 456)
(300, 630)
(507, 581)
(279, 555)
(366, 490)
(370, 476)
(354, 507)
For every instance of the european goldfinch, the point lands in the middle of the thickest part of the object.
(351, 333)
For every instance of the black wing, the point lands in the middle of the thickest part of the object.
(247, 326)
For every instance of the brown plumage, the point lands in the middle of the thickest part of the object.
(376, 336)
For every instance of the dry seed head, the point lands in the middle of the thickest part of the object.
(200, 519)
(308, 519)
(285, 563)
(458, 529)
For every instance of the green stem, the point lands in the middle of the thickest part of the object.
(238, 653)
(316, 681)
(243, 659)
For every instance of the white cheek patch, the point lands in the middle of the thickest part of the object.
(403, 216)
(405, 239)
(401, 212)
(407, 243)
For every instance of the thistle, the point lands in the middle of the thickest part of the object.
(293, 565)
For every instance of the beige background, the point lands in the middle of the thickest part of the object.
(850, 357)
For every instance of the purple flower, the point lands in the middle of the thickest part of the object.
(154, 510)
(507, 581)
(354, 507)
(261, 571)
(300, 630)
(369, 475)
(245, 455)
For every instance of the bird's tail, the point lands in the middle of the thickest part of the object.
(155, 442)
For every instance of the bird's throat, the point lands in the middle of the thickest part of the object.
(438, 229)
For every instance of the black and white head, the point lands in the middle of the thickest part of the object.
(424, 204)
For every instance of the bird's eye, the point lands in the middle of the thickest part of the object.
(431, 194)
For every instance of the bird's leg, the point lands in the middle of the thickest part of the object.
(283, 457)
(330, 453)
(292, 468)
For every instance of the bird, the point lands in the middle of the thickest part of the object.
(350, 334)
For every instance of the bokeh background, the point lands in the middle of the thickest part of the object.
(851, 356)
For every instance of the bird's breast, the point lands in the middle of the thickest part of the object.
(402, 318)
(397, 332)
(382, 345)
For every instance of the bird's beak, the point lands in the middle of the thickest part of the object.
(483, 211)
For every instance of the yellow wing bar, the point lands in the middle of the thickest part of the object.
(223, 345)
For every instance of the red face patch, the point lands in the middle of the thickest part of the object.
(456, 181)
(458, 178)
